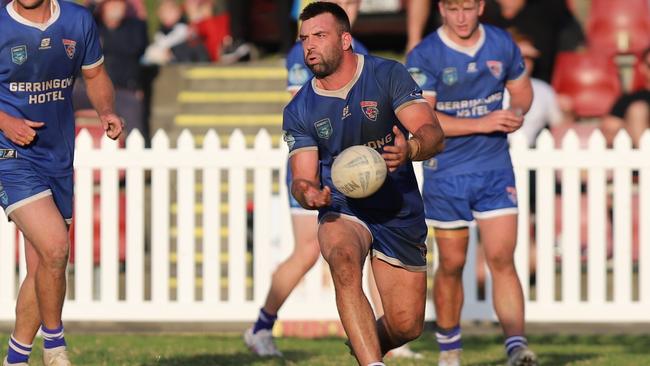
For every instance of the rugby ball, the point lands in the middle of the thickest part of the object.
(358, 171)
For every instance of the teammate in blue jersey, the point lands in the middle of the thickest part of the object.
(43, 45)
(463, 68)
(354, 100)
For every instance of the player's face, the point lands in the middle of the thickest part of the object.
(322, 44)
(461, 18)
(30, 4)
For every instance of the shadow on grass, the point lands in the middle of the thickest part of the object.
(232, 359)
(550, 359)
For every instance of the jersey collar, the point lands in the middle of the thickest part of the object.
(471, 50)
(55, 10)
(342, 92)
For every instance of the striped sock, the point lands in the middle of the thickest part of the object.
(52, 338)
(377, 364)
(449, 339)
(18, 352)
(514, 342)
(264, 321)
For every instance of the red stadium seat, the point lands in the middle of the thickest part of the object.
(618, 26)
(590, 80)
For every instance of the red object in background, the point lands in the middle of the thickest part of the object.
(212, 31)
(638, 81)
(618, 26)
(589, 79)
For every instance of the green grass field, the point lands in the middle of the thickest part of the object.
(216, 350)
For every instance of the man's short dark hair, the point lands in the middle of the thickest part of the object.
(322, 7)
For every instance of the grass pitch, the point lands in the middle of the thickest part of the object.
(218, 350)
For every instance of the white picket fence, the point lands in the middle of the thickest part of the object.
(186, 234)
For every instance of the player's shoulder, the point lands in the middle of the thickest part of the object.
(359, 47)
(298, 103)
(379, 64)
(497, 35)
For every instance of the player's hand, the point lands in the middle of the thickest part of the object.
(506, 121)
(20, 131)
(312, 196)
(112, 124)
(398, 153)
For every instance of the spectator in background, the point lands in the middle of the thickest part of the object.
(544, 111)
(135, 8)
(124, 40)
(549, 23)
(210, 28)
(173, 41)
(631, 111)
(417, 16)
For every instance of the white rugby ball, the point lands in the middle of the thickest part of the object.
(358, 171)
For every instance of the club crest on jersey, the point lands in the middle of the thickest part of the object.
(449, 75)
(495, 67)
(323, 128)
(19, 54)
(70, 47)
(370, 109)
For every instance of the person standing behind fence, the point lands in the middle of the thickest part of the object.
(44, 44)
(463, 68)
(353, 100)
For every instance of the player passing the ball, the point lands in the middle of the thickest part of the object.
(363, 100)
(463, 68)
(44, 44)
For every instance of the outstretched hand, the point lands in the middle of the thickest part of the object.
(112, 124)
(313, 196)
(20, 131)
(398, 153)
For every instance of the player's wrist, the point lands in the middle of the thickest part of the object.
(414, 148)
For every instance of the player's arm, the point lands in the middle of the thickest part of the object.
(521, 93)
(496, 121)
(427, 138)
(305, 185)
(19, 131)
(100, 92)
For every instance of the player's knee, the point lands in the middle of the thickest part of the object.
(452, 265)
(344, 265)
(500, 262)
(408, 329)
(55, 256)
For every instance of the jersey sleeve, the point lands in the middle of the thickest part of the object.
(515, 64)
(297, 72)
(93, 55)
(418, 67)
(403, 89)
(295, 133)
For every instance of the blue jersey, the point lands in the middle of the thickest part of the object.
(299, 73)
(38, 64)
(468, 82)
(361, 113)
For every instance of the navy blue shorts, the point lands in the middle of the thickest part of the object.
(21, 184)
(399, 246)
(455, 201)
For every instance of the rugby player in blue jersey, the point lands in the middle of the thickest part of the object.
(43, 45)
(363, 100)
(463, 68)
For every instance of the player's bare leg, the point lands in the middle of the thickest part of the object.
(289, 273)
(344, 244)
(47, 234)
(28, 318)
(448, 293)
(498, 236)
(403, 296)
(42, 225)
